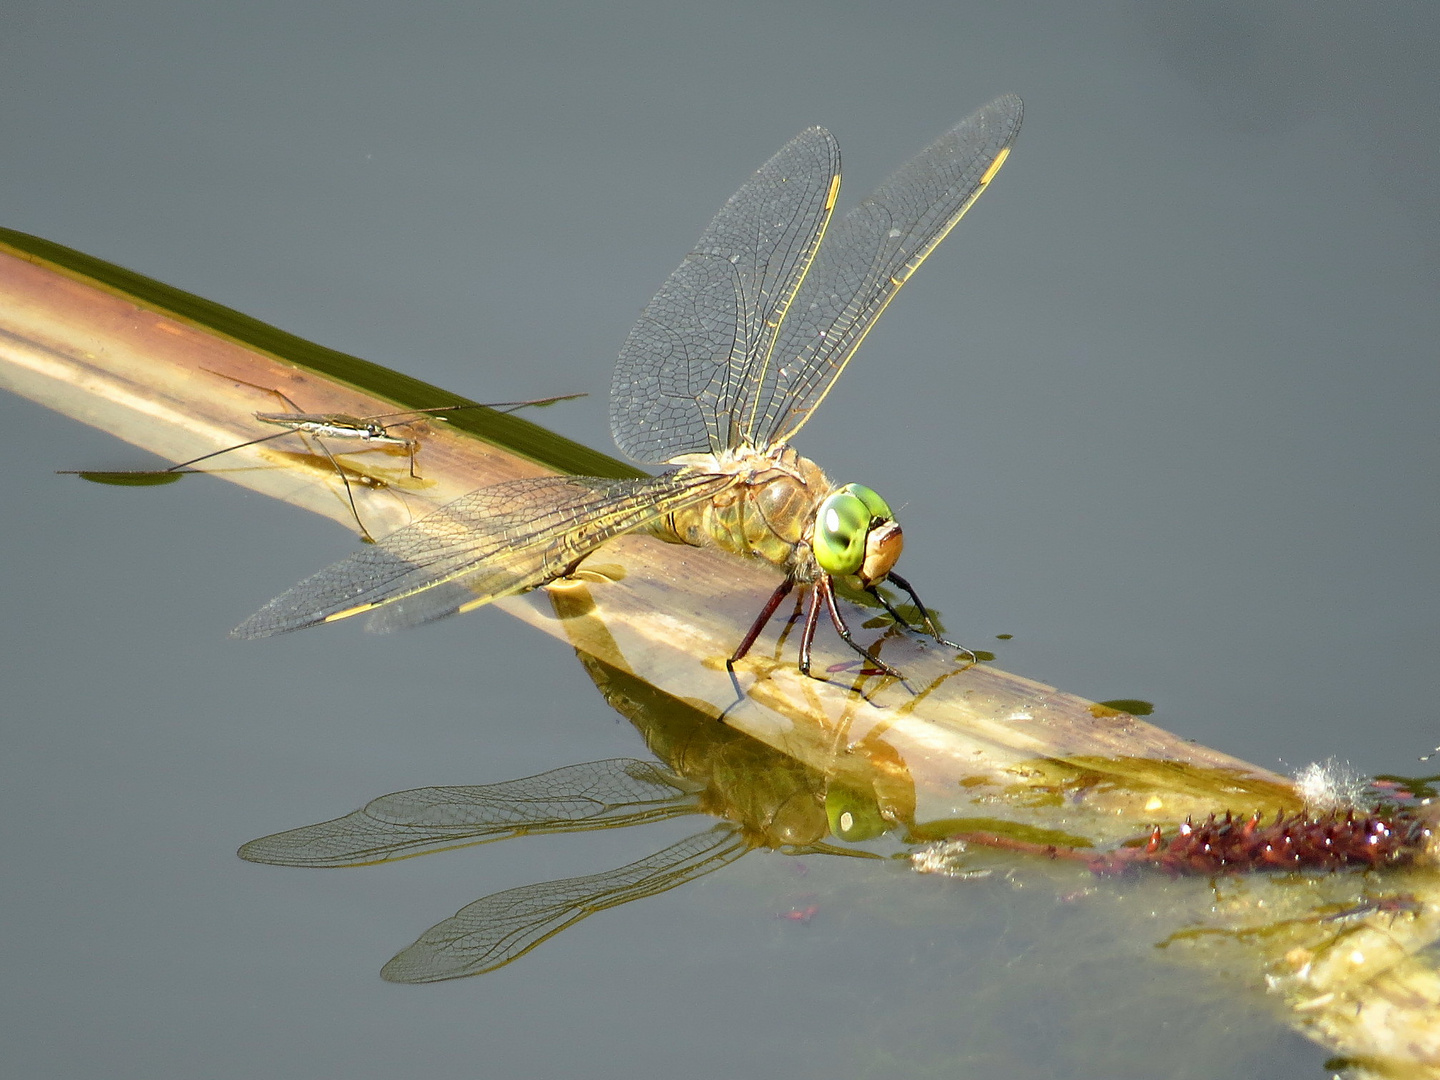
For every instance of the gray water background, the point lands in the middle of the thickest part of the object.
(1164, 408)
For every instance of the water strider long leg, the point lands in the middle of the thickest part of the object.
(499, 406)
(930, 626)
(193, 461)
(185, 465)
(255, 386)
(825, 590)
(349, 494)
(781, 591)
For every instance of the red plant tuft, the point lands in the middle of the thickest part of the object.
(1227, 845)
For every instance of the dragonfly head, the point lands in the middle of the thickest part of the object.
(855, 533)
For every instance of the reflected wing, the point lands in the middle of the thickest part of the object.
(684, 378)
(596, 795)
(493, 931)
(868, 255)
(485, 545)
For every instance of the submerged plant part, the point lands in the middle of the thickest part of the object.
(1296, 842)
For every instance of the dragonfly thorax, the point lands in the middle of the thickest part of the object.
(782, 508)
(767, 511)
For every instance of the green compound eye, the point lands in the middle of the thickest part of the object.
(877, 506)
(841, 525)
(853, 816)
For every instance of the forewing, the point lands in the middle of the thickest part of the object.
(497, 929)
(868, 254)
(596, 795)
(682, 383)
(487, 544)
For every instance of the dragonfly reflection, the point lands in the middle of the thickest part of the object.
(725, 365)
(764, 800)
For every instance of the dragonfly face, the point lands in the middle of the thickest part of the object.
(855, 534)
(725, 365)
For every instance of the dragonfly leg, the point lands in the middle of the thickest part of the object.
(930, 627)
(781, 591)
(807, 635)
(796, 615)
(825, 590)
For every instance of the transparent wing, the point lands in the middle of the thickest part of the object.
(484, 545)
(493, 931)
(868, 254)
(684, 378)
(596, 795)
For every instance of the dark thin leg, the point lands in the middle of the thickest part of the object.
(237, 446)
(930, 627)
(416, 414)
(796, 615)
(781, 591)
(196, 461)
(500, 407)
(824, 589)
(807, 635)
(349, 494)
(496, 406)
(256, 386)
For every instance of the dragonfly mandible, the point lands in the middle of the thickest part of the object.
(725, 365)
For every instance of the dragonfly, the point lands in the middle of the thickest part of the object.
(724, 366)
(762, 798)
(371, 431)
(495, 930)
(500, 928)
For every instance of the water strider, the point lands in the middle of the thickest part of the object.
(725, 365)
(369, 430)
